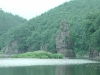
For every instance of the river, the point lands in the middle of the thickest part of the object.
(9, 66)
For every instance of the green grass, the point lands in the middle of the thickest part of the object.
(38, 54)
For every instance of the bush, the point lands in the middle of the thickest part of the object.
(37, 54)
(57, 56)
(44, 56)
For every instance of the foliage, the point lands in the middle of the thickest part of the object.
(82, 54)
(92, 23)
(37, 54)
(7, 22)
(57, 56)
(39, 33)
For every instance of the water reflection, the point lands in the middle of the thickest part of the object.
(49, 67)
(83, 69)
(86, 69)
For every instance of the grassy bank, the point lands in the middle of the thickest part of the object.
(38, 54)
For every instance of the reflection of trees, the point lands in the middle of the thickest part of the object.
(13, 71)
(88, 69)
(19, 71)
(64, 70)
(33, 70)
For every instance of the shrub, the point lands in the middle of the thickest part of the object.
(37, 54)
(57, 56)
(44, 56)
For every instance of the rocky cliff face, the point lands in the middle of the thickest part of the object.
(64, 41)
(94, 53)
(11, 48)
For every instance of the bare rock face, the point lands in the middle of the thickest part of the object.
(94, 54)
(64, 41)
(11, 48)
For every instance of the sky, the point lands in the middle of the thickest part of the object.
(29, 8)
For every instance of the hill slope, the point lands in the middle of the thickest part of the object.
(40, 32)
(7, 20)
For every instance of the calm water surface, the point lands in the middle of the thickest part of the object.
(49, 67)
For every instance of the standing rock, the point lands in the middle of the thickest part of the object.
(64, 42)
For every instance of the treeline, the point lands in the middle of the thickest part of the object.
(39, 33)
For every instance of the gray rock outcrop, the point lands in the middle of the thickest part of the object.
(11, 48)
(94, 53)
(64, 42)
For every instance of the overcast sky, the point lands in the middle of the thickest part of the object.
(29, 8)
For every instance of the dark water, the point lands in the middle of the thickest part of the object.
(82, 69)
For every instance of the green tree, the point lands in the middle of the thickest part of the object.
(93, 30)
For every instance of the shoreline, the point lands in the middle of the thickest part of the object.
(14, 62)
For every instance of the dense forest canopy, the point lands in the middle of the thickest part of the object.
(40, 32)
(8, 20)
(92, 30)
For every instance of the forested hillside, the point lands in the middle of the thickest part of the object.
(92, 30)
(7, 20)
(40, 32)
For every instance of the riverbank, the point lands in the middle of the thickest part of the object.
(44, 55)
